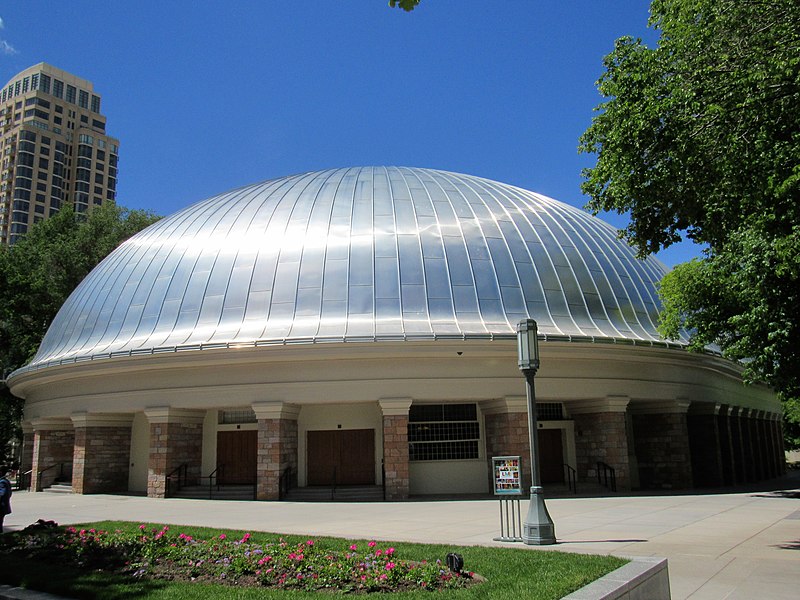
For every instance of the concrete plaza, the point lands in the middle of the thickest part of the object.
(741, 545)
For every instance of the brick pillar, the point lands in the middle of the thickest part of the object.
(102, 453)
(506, 423)
(737, 442)
(661, 436)
(53, 442)
(601, 435)
(176, 438)
(764, 446)
(705, 444)
(277, 446)
(395, 447)
(26, 456)
(777, 432)
(726, 445)
(748, 451)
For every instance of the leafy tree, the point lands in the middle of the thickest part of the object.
(36, 276)
(406, 5)
(700, 136)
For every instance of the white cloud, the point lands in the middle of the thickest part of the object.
(6, 48)
(1, 23)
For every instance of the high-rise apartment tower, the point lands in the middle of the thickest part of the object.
(54, 150)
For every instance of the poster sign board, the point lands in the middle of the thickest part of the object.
(507, 476)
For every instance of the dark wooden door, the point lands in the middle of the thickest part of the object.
(349, 453)
(236, 457)
(551, 456)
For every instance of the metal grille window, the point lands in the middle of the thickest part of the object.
(549, 411)
(443, 432)
(231, 417)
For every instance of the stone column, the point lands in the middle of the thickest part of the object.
(705, 444)
(601, 435)
(748, 453)
(777, 432)
(102, 452)
(737, 442)
(507, 434)
(661, 436)
(26, 457)
(53, 442)
(395, 447)
(277, 446)
(726, 445)
(176, 438)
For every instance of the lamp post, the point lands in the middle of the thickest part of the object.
(538, 528)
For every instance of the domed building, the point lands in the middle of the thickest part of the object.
(357, 327)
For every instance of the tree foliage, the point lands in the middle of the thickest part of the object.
(406, 5)
(39, 272)
(700, 136)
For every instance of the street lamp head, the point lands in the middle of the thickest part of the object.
(528, 345)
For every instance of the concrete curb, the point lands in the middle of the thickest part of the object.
(17, 593)
(644, 578)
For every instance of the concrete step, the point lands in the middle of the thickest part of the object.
(361, 493)
(225, 492)
(59, 488)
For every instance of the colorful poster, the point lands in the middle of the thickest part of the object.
(507, 478)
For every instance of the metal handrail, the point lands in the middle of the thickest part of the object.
(39, 474)
(24, 480)
(572, 478)
(283, 483)
(608, 477)
(221, 469)
(182, 473)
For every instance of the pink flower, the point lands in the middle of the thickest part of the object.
(353, 547)
(142, 527)
(222, 536)
(378, 552)
(389, 551)
(310, 543)
(371, 544)
(389, 566)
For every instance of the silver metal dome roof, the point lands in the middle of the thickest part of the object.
(360, 254)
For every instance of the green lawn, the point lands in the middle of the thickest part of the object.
(514, 572)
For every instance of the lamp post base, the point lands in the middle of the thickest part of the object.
(538, 529)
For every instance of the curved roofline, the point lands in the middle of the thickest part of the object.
(348, 340)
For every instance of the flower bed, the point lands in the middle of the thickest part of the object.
(161, 553)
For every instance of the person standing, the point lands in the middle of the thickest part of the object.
(5, 496)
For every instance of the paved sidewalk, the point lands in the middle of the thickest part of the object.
(740, 545)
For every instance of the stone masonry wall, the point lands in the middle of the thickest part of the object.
(101, 458)
(662, 450)
(602, 437)
(277, 450)
(705, 449)
(171, 445)
(507, 435)
(51, 447)
(395, 456)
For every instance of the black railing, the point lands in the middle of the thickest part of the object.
(176, 480)
(60, 477)
(571, 475)
(213, 479)
(606, 475)
(23, 481)
(284, 482)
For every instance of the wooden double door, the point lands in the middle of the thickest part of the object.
(237, 454)
(346, 456)
(551, 456)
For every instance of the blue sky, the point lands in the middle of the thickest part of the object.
(209, 96)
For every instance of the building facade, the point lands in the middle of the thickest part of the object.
(357, 327)
(54, 149)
